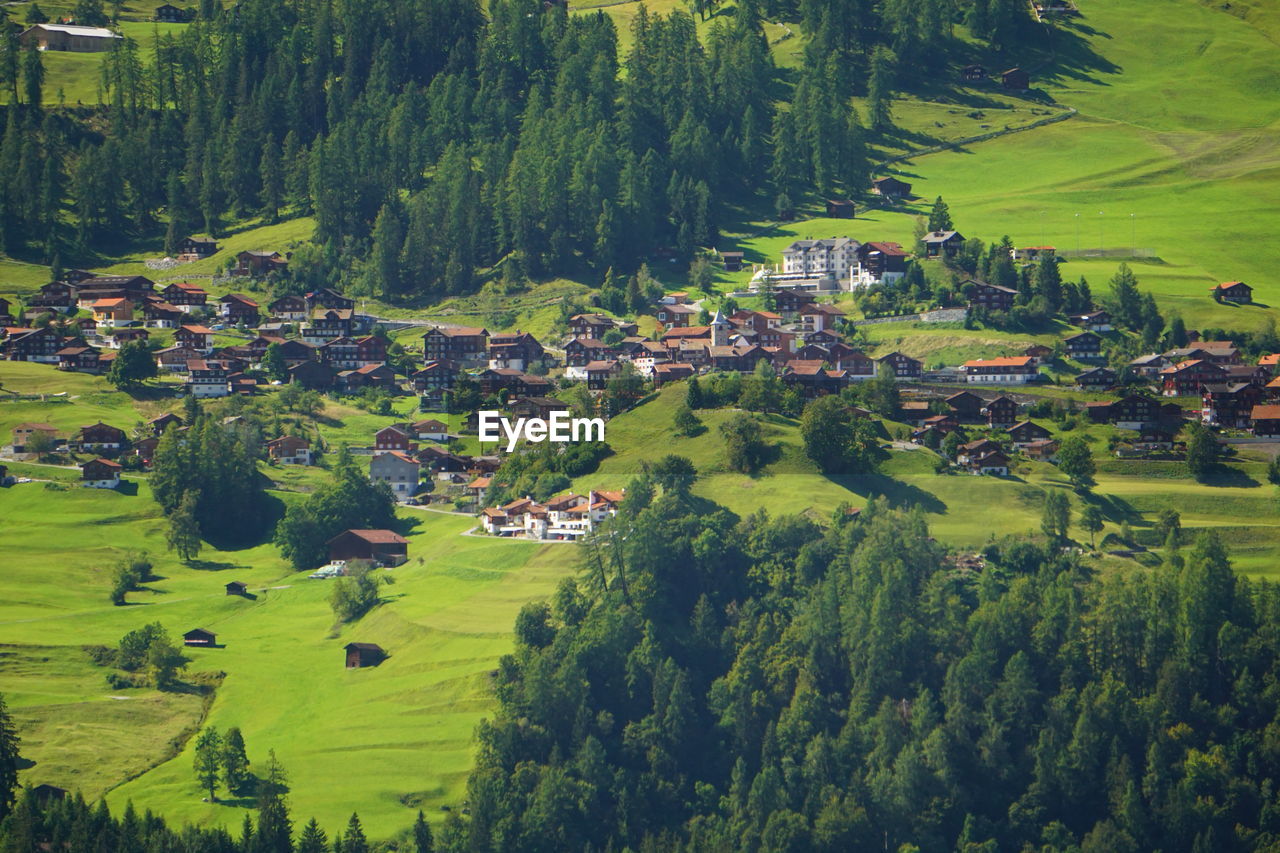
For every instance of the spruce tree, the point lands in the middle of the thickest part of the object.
(9, 760)
(183, 535)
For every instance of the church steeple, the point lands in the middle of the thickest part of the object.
(720, 329)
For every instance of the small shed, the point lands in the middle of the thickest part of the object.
(200, 637)
(973, 73)
(732, 261)
(1016, 79)
(237, 588)
(363, 654)
(840, 208)
(46, 793)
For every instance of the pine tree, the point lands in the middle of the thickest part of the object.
(312, 839)
(235, 761)
(9, 760)
(422, 839)
(33, 75)
(183, 535)
(940, 216)
(879, 89)
(353, 840)
(272, 181)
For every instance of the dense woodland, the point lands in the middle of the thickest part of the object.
(434, 144)
(769, 685)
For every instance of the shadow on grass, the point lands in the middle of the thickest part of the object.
(898, 493)
(1223, 476)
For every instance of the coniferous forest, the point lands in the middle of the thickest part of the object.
(432, 140)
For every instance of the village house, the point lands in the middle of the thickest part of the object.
(161, 315)
(237, 309)
(393, 437)
(1186, 377)
(518, 350)
(339, 353)
(119, 336)
(368, 376)
(1026, 432)
(993, 463)
(813, 378)
(291, 308)
(1018, 369)
(196, 338)
(462, 345)
(1093, 321)
(398, 470)
(788, 302)
(988, 297)
(880, 262)
(81, 359)
(98, 438)
(1098, 378)
(1148, 366)
(100, 474)
(1044, 450)
(207, 378)
(820, 317)
(313, 375)
(255, 264)
(903, 366)
(1229, 405)
(578, 352)
(1083, 345)
(675, 316)
(59, 296)
(112, 312)
(167, 13)
(196, 248)
(942, 244)
(184, 296)
(327, 324)
(289, 450)
(22, 434)
(965, 406)
(39, 345)
(361, 655)
(132, 287)
(1038, 353)
(1233, 291)
(434, 376)
(1265, 420)
(1132, 411)
(429, 430)
(598, 374)
(1002, 411)
(382, 547)
(69, 37)
(327, 297)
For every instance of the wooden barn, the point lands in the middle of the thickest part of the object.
(359, 655)
(840, 208)
(384, 547)
(200, 637)
(237, 588)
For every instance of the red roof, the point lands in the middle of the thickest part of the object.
(1003, 361)
(197, 330)
(1265, 413)
(377, 537)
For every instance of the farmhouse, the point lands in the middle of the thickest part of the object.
(675, 316)
(360, 655)
(389, 438)
(383, 547)
(207, 378)
(312, 375)
(519, 350)
(1229, 404)
(200, 637)
(79, 358)
(991, 462)
(1097, 378)
(40, 345)
(1093, 321)
(1233, 291)
(198, 338)
(966, 405)
(1186, 377)
(290, 307)
(67, 37)
(429, 430)
(100, 474)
